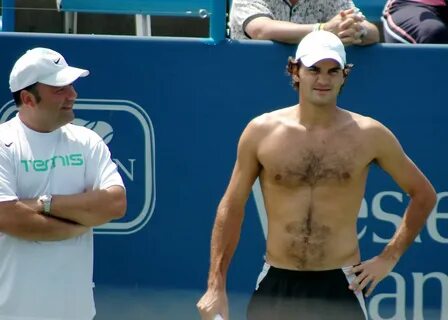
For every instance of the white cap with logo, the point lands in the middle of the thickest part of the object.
(320, 45)
(45, 66)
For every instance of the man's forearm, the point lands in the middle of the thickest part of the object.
(282, 31)
(22, 219)
(90, 208)
(413, 221)
(225, 237)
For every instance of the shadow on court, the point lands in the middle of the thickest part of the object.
(134, 303)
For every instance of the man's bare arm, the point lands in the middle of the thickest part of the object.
(264, 28)
(421, 192)
(91, 208)
(227, 227)
(393, 160)
(22, 219)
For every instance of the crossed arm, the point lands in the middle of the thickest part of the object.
(22, 219)
(90, 208)
(70, 216)
(347, 25)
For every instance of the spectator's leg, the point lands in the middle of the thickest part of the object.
(414, 23)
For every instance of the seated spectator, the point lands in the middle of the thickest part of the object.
(290, 20)
(416, 21)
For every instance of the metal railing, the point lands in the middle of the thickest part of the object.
(214, 10)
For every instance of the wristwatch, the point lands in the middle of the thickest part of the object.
(46, 202)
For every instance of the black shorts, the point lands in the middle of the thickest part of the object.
(287, 294)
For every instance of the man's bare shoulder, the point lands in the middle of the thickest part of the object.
(263, 125)
(270, 120)
(366, 122)
(372, 130)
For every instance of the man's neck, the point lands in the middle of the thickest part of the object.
(312, 116)
(35, 125)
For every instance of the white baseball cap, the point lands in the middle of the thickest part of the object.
(320, 45)
(45, 66)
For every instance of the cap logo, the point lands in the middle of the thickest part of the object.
(57, 61)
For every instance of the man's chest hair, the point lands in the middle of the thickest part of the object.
(315, 161)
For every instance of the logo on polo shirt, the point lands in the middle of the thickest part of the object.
(63, 160)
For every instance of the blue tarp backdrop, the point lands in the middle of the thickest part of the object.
(172, 111)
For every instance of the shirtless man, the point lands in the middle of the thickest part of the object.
(312, 160)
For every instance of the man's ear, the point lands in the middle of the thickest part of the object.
(28, 98)
(295, 77)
